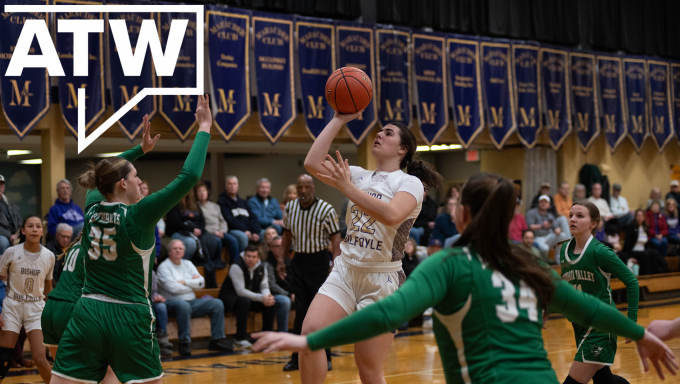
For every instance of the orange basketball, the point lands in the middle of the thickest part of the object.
(349, 90)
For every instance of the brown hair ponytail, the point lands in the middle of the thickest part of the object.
(418, 168)
(105, 174)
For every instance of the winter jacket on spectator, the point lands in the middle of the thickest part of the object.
(657, 224)
(243, 281)
(238, 215)
(69, 213)
(176, 221)
(10, 218)
(265, 215)
(444, 227)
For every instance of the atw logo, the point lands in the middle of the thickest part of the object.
(131, 60)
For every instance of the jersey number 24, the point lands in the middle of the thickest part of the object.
(509, 310)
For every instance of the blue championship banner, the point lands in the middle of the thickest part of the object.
(635, 95)
(356, 49)
(660, 108)
(394, 75)
(316, 57)
(432, 93)
(675, 83)
(179, 110)
(466, 88)
(527, 90)
(555, 79)
(93, 82)
(274, 72)
(584, 98)
(497, 80)
(123, 88)
(25, 98)
(612, 107)
(228, 44)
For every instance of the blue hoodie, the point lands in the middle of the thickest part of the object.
(69, 213)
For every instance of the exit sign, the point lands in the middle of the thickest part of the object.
(472, 155)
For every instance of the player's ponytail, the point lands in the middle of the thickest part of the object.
(491, 199)
(418, 168)
(105, 174)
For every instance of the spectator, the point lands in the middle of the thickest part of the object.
(600, 203)
(579, 192)
(65, 210)
(655, 195)
(178, 279)
(445, 224)
(635, 247)
(246, 288)
(545, 191)
(675, 191)
(613, 238)
(269, 235)
(658, 229)
(144, 192)
(187, 224)
(433, 246)
(161, 311)
(562, 200)
(289, 194)
(424, 223)
(528, 243)
(619, 207)
(672, 221)
(57, 246)
(265, 207)
(454, 192)
(242, 222)
(517, 225)
(410, 260)
(216, 225)
(282, 296)
(546, 229)
(10, 219)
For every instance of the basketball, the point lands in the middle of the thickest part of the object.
(349, 90)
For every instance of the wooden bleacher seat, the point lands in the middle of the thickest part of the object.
(220, 274)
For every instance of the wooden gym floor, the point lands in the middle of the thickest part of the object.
(413, 359)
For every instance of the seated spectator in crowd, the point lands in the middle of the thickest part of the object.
(658, 229)
(57, 246)
(672, 221)
(562, 200)
(187, 224)
(517, 225)
(65, 210)
(613, 238)
(454, 192)
(424, 223)
(675, 191)
(579, 192)
(144, 192)
(216, 225)
(289, 194)
(445, 224)
(636, 247)
(528, 243)
(655, 195)
(243, 224)
(161, 312)
(265, 207)
(10, 219)
(545, 191)
(282, 296)
(600, 203)
(433, 246)
(245, 289)
(178, 279)
(546, 229)
(410, 260)
(619, 207)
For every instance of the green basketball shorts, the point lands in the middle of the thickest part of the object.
(55, 318)
(595, 347)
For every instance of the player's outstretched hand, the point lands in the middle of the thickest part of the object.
(203, 114)
(339, 174)
(279, 341)
(147, 143)
(650, 347)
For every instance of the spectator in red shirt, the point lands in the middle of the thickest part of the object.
(518, 225)
(658, 229)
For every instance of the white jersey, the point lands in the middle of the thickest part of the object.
(27, 272)
(371, 244)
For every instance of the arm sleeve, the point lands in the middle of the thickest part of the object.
(93, 195)
(236, 276)
(426, 287)
(151, 208)
(413, 186)
(608, 261)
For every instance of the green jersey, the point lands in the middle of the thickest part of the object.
(72, 279)
(487, 325)
(120, 240)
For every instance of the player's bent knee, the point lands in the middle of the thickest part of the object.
(6, 358)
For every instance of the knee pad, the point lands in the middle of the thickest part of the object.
(570, 380)
(603, 376)
(6, 358)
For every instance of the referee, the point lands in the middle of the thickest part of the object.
(309, 223)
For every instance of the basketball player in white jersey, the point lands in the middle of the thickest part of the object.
(27, 268)
(384, 203)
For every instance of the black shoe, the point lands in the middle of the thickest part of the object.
(330, 366)
(221, 345)
(291, 366)
(167, 351)
(184, 349)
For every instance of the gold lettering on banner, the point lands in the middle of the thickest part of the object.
(496, 58)
(527, 120)
(190, 31)
(182, 104)
(271, 105)
(225, 104)
(393, 46)
(227, 30)
(20, 18)
(20, 96)
(73, 96)
(463, 55)
(554, 117)
(637, 124)
(429, 51)
(497, 117)
(582, 122)
(355, 44)
(608, 69)
(394, 113)
(659, 126)
(272, 35)
(658, 74)
(315, 40)
(610, 124)
(554, 63)
(526, 60)
(428, 113)
(125, 96)
(464, 115)
(315, 109)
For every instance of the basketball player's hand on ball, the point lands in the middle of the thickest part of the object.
(650, 347)
(347, 117)
(147, 143)
(279, 341)
(339, 173)
(203, 114)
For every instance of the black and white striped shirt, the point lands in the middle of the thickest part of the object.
(311, 227)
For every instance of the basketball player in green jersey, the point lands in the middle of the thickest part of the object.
(113, 322)
(589, 265)
(487, 318)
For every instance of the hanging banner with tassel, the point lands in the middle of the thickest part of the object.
(466, 88)
(429, 62)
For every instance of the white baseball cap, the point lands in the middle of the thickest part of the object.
(544, 197)
(2, 178)
(674, 183)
